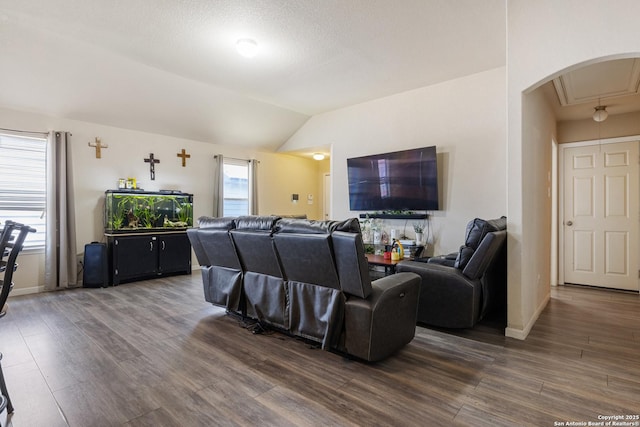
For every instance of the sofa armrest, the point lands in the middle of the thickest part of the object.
(385, 321)
(449, 259)
(448, 298)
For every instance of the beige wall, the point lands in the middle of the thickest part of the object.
(279, 176)
(543, 42)
(586, 130)
(289, 175)
(465, 118)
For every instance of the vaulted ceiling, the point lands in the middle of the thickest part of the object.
(170, 67)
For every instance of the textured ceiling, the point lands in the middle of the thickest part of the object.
(170, 67)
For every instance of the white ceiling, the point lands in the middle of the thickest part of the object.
(170, 67)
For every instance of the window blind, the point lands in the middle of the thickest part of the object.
(23, 189)
(236, 188)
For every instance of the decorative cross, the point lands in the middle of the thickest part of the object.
(152, 165)
(98, 145)
(184, 156)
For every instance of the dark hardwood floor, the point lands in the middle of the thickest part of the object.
(155, 354)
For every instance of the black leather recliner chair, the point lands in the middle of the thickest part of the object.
(459, 289)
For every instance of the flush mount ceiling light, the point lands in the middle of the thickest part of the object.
(247, 47)
(318, 156)
(600, 114)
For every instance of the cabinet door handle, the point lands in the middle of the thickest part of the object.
(150, 246)
(163, 245)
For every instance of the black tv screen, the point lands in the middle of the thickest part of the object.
(401, 180)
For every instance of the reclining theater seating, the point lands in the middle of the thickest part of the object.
(309, 279)
(263, 284)
(459, 289)
(316, 302)
(221, 271)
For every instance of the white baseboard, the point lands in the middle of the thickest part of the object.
(26, 291)
(521, 334)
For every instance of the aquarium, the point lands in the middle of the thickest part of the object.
(137, 210)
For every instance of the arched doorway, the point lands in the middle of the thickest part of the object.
(530, 262)
(597, 229)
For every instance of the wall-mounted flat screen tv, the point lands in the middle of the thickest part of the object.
(401, 180)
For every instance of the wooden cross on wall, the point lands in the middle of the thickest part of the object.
(152, 165)
(184, 156)
(98, 146)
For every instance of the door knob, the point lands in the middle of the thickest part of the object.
(569, 223)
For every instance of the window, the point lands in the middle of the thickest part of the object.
(23, 189)
(236, 188)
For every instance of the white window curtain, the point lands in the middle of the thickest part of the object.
(61, 269)
(218, 185)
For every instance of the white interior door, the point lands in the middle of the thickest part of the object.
(326, 196)
(601, 215)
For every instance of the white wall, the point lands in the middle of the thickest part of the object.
(465, 118)
(546, 38)
(539, 130)
(125, 158)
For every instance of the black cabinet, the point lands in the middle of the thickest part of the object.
(171, 253)
(138, 256)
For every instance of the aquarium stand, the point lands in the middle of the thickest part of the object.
(140, 255)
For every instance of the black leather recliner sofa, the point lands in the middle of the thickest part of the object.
(306, 278)
(459, 289)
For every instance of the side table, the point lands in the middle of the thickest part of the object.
(388, 264)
